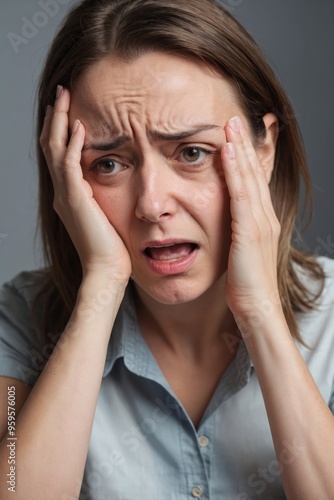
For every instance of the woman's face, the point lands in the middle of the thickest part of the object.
(152, 155)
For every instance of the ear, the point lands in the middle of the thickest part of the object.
(266, 151)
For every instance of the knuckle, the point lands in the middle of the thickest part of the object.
(267, 229)
(272, 230)
(59, 203)
(241, 194)
(53, 144)
(71, 159)
(255, 234)
(43, 143)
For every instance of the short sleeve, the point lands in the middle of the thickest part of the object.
(19, 357)
(328, 266)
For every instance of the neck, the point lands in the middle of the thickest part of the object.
(189, 329)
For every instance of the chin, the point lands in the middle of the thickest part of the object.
(175, 291)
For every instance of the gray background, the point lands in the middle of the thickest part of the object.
(297, 36)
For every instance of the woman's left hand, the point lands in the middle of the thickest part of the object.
(252, 266)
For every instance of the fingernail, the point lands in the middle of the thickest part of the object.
(59, 91)
(76, 126)
(230, 150)
(236, 124)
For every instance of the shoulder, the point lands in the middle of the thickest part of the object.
(17, 296)
(317, 324)
(18, 332)
(326, 297)
(317, 330)
(24, 286)
(328, 268)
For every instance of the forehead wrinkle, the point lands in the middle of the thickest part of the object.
(113, 112)
(124, 115)
(153, 136)
(101, 122)
(177, 122)
(132, 124)
(99, 132)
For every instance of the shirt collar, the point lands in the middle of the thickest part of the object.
(127, 342)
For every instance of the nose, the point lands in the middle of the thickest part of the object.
(155, 187)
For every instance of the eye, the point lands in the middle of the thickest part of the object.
(107, 166)
(194, 154)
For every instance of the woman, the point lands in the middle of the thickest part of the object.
(193, 343)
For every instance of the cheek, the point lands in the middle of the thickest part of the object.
(214, 211)
(116, 205)
(211, 197)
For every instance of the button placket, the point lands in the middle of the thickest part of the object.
(197, 492)
(203, 441)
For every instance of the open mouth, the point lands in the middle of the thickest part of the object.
(170, 253)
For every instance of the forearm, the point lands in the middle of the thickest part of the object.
(54, 426)
(301, 423)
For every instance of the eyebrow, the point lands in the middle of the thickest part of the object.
(154, 135)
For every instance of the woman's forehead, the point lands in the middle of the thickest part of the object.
(171, 91)
(151, 75)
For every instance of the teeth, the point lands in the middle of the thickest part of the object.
(170, 252)
(165, 246)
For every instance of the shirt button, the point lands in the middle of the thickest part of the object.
(203, 441)
(196, 492)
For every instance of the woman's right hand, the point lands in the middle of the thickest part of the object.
(100, 248)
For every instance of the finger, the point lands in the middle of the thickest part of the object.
(244, 223)
(46, 126)
(247, 173)
(263, 186)
(54, 135)
(58, 137)
(60, 115)
(259, 171)
(72, 171)
(256, 183)
(44, 140)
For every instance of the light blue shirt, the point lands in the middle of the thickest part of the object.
(143, 445)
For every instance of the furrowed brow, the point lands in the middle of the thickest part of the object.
(108, 146)
(160, 136)
(154, 135)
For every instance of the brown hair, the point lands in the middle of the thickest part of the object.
(193, 28)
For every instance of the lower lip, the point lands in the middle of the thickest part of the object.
(173, 267)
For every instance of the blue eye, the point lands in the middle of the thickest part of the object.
(107, 166)
(194, 155)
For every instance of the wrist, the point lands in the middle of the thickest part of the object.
(98, 272)
(99, 292)
(267, 336)
(257, 311)
(261, 316)
(95, 280)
